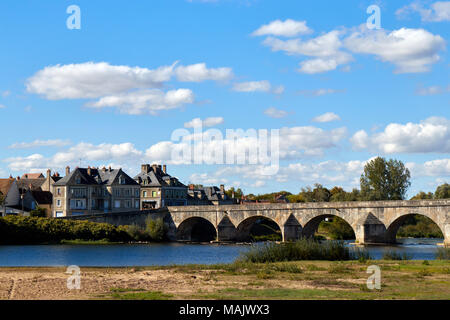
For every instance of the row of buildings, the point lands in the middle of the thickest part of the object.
(94, 190)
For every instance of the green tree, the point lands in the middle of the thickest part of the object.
(156, 229)
(38, 212)
(237, 193)
(384, 180)
(442, 192)
(422, 196)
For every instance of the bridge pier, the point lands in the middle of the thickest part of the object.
(292, 230)
(370, 230)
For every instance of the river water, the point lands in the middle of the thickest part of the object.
(121, 255)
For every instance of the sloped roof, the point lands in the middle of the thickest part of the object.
(5, 184)
(33, 184)
(212, 193)
(32, 176)
(42, 197)
(97, 177)
(157, 179)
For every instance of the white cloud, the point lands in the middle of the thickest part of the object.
(327, 117)
(433, 168)
(410, 50)
(287, 28)
(199, 72)
(325, 49)
(6, 93)
(2, 106)
(86, 152)
(318, 92)
(429, 136)
(40, 143)
(275, 113)
(132, 90)
(147, 101)
(439, 11)
(208, 122)
(252, 86)
(94, 80)
(433, 90)
(294, 143)
(257, 86)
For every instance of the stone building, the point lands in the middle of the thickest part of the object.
(92, 190)
(198, 196)
(159, 189)
(50, 179)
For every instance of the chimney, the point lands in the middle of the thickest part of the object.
(222, 188)
(18, 178)
(25, 176)
(164, 169)
(49, 172)
(67, 170)
(89, 171)
(154, 168)
(109, 168)
(145, 168)
(191, 187)
(232, 194)
(104, 169)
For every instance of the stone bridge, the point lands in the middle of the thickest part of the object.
(372, 221)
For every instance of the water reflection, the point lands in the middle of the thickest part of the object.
(167, 253)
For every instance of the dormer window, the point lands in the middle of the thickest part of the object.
(78, 180)
(121, 180)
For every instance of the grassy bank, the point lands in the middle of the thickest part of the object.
(256, 281)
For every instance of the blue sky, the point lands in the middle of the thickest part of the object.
(112, 92)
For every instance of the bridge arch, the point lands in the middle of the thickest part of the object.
(196, 229)
(245, 226)
(311, 226)
(393, 227)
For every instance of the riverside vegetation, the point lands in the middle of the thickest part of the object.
(39, 230)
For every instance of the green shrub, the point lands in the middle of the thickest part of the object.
(304, 249)
(38, 212)
(393, 255)
(32, 230)
(156, 229)
(443, 253)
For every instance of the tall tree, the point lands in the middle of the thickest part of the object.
(384, 180)
(442, 192)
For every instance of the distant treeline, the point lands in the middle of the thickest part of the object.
(322, 194)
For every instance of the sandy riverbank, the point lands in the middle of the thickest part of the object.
(293, 280)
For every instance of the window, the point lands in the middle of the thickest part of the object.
(58, 191)
(117, 204)
(136, 192)
(58, 203)
(154, 194)
(144, 194)
(128, 204)
(59, 214)
(78, 180)
(93, 203)
(136, 204)
(121, 180)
